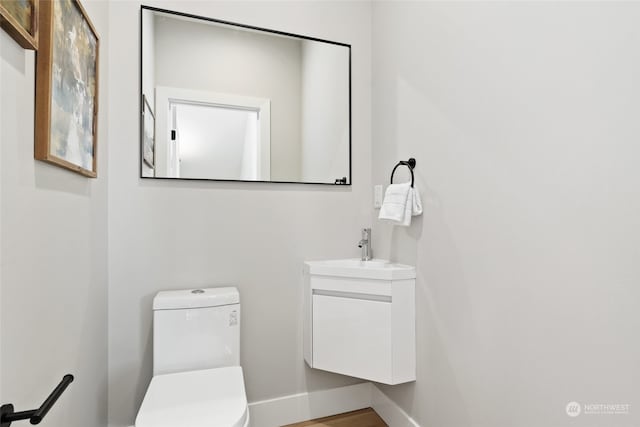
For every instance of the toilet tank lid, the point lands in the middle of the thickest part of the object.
(195, 298)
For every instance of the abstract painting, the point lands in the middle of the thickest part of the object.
(148, 133)
(67, 87)
(19, 19)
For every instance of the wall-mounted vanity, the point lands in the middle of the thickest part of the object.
(225, 101)
(359, 319)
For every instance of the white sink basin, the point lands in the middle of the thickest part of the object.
(356, 262)
(380, 269)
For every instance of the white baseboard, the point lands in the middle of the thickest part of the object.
(300, 407)
(389, 411)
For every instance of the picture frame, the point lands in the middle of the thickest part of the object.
(19, 18)
(67, 76)
(148, 133)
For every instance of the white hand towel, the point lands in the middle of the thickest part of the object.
(401, 202)
(395, 203)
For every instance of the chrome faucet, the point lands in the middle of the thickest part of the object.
(365, 244)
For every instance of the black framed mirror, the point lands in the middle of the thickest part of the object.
(231, 102)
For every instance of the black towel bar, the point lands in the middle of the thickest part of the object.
(8, 415)
(411, 163)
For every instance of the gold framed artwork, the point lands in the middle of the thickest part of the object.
(19, 18)
(67, 87)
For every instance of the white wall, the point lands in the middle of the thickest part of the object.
(168, 235)
(240, 63)
(53, 253)
(523, 118)
(325, 112)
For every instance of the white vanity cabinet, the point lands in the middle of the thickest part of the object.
(359, 319)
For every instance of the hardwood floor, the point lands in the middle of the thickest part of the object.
(362, 418)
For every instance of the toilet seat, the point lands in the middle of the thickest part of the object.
(205, 398)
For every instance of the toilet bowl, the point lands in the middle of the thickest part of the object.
(197, 379)
(206, 398)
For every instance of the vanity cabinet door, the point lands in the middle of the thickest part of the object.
(352, 336)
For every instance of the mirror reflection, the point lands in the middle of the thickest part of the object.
(223, 101)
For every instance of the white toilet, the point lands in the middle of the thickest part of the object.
(197, 378)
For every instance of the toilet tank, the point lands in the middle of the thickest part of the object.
(196, 329)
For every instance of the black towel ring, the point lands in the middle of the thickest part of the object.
(411, 163)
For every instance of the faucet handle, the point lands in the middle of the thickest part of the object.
(366, 233)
